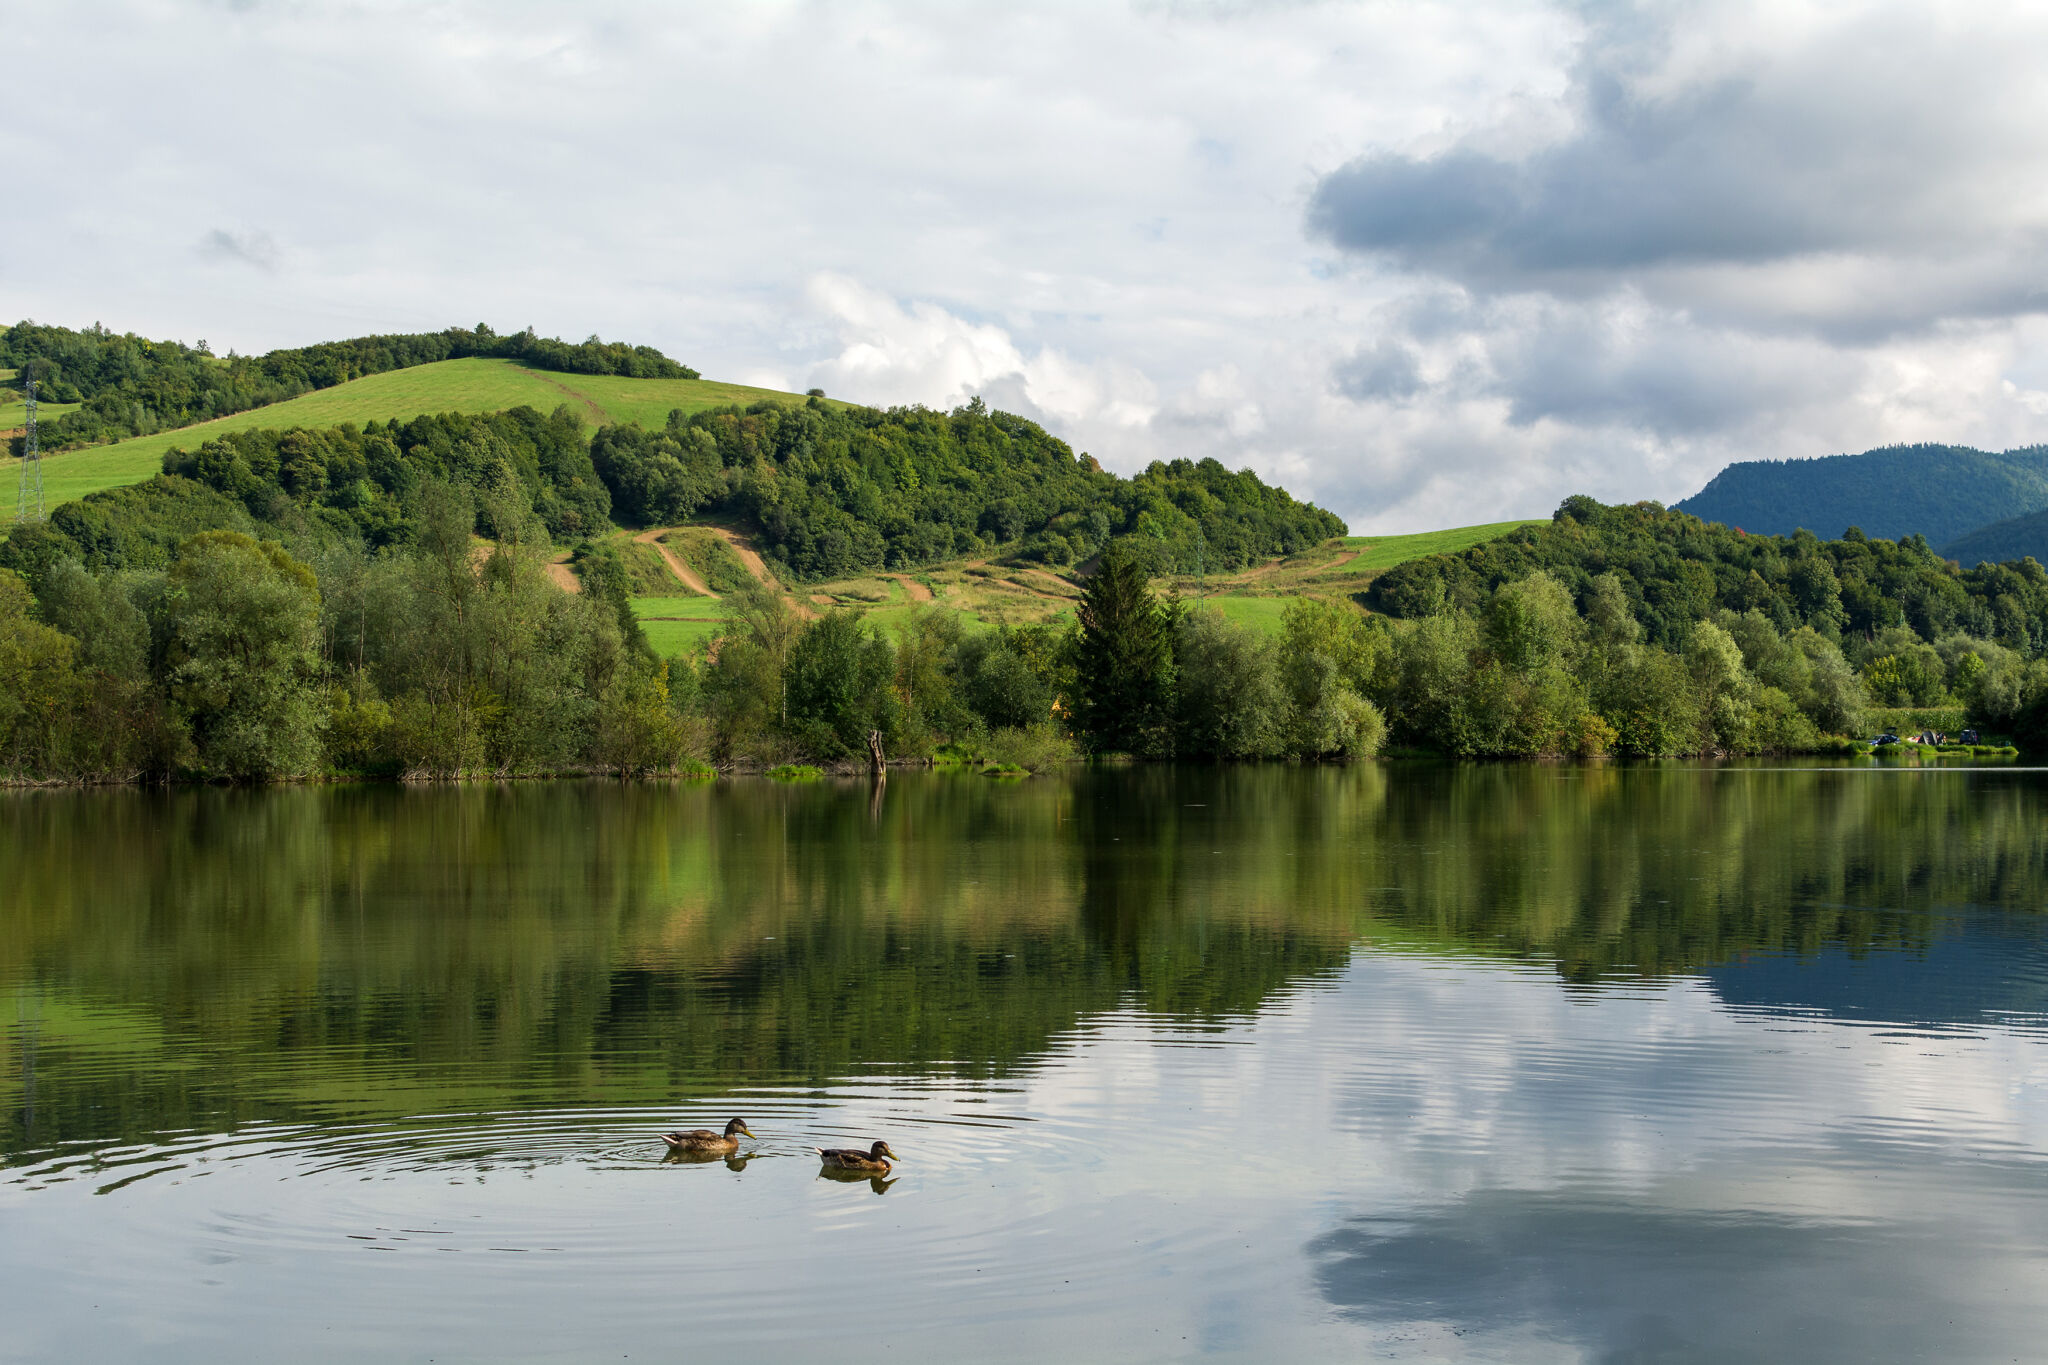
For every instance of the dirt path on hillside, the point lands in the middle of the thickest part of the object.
(917, 591)
(689, 576)
(1014, 586)
(753, 562)
(602, 417)
(1055, 579)
(755, 565)
(1341, 560)
(557, 569)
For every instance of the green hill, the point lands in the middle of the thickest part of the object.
(1941, 492)
(119, 384)
(2002, 541)
(1376, 553)
(473, 385)
(1674, 571)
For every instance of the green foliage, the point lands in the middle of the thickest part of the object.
(1329, 659)
(38, 679)
(659, 477)
(930, 650)
(832, 491)
(840, 687)
(2014, 538)
(1529, 675)
(1674, 571)
(606, 579)
(745, 685)
(1939, 492)
(1035, 748)
(1123, 661)
(365, 482)
(131, 386)
(1005, 681)
(637, 731)
(1227, 694)
(138, 527)
(241, 664)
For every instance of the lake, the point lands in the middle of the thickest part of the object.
(1407, 1061)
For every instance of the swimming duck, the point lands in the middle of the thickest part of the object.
(876, 1159)
(704, 1140)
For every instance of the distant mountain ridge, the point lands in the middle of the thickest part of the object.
(2002, 541)
(1939, 491)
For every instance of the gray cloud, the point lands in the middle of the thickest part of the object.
(1872, 136)
(1382, 369)
(1699, 179)
(243, 248)
(1657, 374)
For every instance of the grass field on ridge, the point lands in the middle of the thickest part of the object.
(472, 385)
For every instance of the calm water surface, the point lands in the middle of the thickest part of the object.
(1425, 1063)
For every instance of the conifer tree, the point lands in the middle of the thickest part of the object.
(1124, 660)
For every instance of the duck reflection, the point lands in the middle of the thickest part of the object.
(684, 1157)
(878, 1183)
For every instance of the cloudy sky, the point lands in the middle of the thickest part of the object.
(1427, 264)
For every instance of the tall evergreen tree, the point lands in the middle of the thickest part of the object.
(1124, 660)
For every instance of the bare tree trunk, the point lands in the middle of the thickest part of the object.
(876, 760)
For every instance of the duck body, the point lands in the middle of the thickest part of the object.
(706, 1142)
(874, 1161)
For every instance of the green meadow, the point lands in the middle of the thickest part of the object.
(1384, 552)
(677, 625)
(1261, 613)
(475, 385)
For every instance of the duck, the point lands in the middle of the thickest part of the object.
(704, 1140)
(876, 1159)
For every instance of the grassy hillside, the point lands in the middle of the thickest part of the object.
(474, 385)
(1374, 553)
(677, 573)
(990, 593)
(2013, 538)
(14, 408)
(1941, 492)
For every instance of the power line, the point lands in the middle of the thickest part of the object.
(28, 504)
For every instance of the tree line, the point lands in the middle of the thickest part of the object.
(129, 385)
(833, 490)
(375, 600)
(827, 492)
(1676, 570)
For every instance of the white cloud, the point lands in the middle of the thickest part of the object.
(1717, 232)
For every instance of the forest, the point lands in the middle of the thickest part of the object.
(374, 601)
(825, 491)
(1676, 570)
(1939, 491)
(831, 491)
(129, 385)
(2023, 537)
(377, 596)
